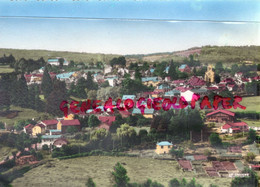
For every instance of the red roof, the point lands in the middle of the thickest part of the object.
(200, 157)
(107, 119)
(226, 126)
(239, 124)
(178, 81)
(235, 129)
(228, 165)
(185, 164)
(196, 81)
(182, 89)
(73, 122)
(124, 113)
(50, 122)
(255, 166)
(29, 126)
(234, 149)
(218, 165)
(222, 111)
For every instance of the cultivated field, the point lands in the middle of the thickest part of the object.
(75, 172)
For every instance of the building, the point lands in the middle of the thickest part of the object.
(195, 81)
(163, 147)
(49, 140)
(60, 142)
(64, 124)
(154, 81)
(221, 116)
(234, 127)
(184, 68)
(55, 62)
(50, 124)
(38, 129)
(28, 129)
(148, 113)
(106, 121)
(185, 165)
(209, 75)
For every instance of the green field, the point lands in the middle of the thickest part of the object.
(252, 123)
(5, 151)
(6, 69)
(251, 104)
(75, 172)
(24, 114)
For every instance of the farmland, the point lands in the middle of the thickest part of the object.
(75, 172)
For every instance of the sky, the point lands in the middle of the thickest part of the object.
(127, 27)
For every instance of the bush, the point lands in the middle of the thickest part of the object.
(90, 183)
(215, 140)
(45, 147)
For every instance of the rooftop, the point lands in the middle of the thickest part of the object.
(163, 143)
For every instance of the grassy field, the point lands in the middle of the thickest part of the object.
(252, 123)
(251, 104)
(24, 114)
(75, 172)
(6, 69)
(5, 151)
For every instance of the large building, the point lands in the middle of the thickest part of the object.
(221, 116)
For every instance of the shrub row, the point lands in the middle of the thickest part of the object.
(249, 114)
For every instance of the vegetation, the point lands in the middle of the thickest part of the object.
(90, 183)
(120, 175)
(215, 140)
(251, 181)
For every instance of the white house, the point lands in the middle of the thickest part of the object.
(187, 95)
(107, 69)
(49, 139)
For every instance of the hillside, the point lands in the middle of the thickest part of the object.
(210, 54)
(75, 56)
(206, 54)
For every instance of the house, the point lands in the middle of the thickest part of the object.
(187, 95)
(112, 80)
(50, 124)
(60, 142)
(172, 93)
(185, 165)
(209, 75)
(148, 113)
(38, 129)
(154, 81)
(64, 124)
(195, 81)
(184, 68)
(125, 97)
(220, 116)
(234, 127)
(49, 140)
(106, 121)
(65, 76)
(163, 147)
(55, 132)
(55, 62)
(28, 129)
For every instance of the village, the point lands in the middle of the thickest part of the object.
(205, 140)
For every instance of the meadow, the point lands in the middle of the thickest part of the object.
(23, 114)
(75, 172)
(251, 104)
(6, 69)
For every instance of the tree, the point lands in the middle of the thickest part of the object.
(172, 71)
(90, 84)
(217, 78)
(250, 157)
(92, 94)
(219, 67)
(251, 136)
(2, 125)
(47, 84)
(93, 121)
(99, 134)
(126, 133)
(58, 95)
(215, 140)
(251, 181)
(90, 183)
(177, 153)
(174, 183)
(71, 129)
(45, 147)
(120, 175)
(61, 61)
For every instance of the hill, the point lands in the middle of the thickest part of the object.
(75, 56)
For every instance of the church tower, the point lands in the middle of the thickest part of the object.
(209, 75)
